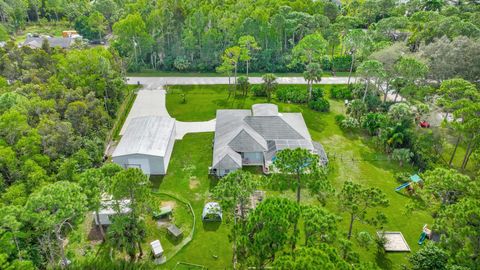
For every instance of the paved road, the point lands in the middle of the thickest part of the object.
(156, 82)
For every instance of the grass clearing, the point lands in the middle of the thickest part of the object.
(355, 159)
(190, 160)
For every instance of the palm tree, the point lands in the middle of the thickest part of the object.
(313, 73)
(269, 84)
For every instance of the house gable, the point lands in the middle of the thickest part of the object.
(246, 141)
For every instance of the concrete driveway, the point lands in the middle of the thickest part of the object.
(147, 103)
(183, 128)
(151, 102)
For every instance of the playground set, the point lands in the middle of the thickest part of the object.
(428, 234)
(414, 180)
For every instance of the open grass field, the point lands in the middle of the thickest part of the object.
(156, 73)
(353, 157)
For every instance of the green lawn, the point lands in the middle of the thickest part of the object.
(352, 158)
(156, 73)
(188, 178)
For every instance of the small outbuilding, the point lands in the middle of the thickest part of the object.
(212, 212)
(157, 249)
(174, 231)
(147, 144)
(109, 208)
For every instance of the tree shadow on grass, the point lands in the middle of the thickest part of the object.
(156, 181)
(211, 225)
(383, 261)
(213, 181)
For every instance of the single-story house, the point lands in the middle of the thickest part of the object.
(253, 137)
(61, 42)
(147, 144)
(109, 208)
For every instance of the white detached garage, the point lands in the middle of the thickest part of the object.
(147, 144)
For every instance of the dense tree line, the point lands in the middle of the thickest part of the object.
(192, 35)
(56, 108)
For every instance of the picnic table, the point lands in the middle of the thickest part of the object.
(164, 211)
(174, 230)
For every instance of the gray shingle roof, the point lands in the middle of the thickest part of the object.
(265, 131)
(228, 124)
(272, 127)
(36, 42)
(248, 141)
(148, 135)
(228, 159)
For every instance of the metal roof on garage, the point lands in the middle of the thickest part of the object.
(148, 135)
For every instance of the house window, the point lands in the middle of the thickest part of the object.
(227, 171)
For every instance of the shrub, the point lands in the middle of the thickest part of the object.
(258, 90)
(402, 177)
(326, 64)
(342, 63)
(349, 123)
(365, 240)
(293, 94)
(339, 118)
(372, 122)
(402, 155)
(317, 93)
(320, 105)
(340, 92)
(429, 257)
(181, 63)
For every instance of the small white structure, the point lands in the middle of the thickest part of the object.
(212, 212)
(110, 208)
(147, 144)
(394, 241)
(157, 249)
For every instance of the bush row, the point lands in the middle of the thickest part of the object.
(341, 92)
